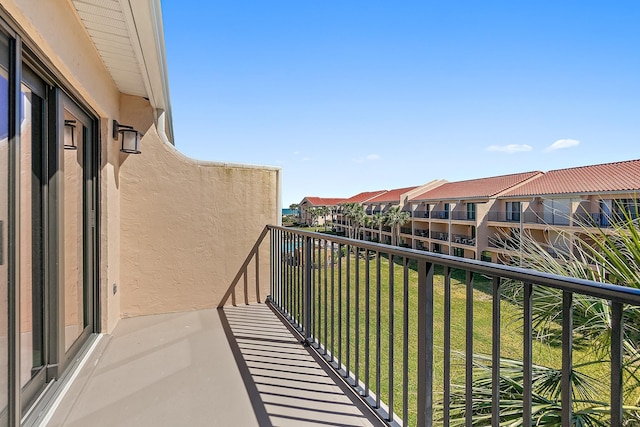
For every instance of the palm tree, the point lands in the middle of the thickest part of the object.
(294, 208)
(604, 255)
(396, 217)
(377, 220)
(355, 215)
(314, 212)
(324, 211)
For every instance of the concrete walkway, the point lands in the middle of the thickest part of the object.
(234, 367)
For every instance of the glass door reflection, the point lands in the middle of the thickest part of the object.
(73, 208)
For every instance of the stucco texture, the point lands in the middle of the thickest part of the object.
(187, 227)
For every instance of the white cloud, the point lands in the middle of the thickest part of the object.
(562, 143)
(306, 159)
(367, 158)
(510, 148)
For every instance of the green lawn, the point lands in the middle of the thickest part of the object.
(511, 329)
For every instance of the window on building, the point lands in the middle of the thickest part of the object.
(513, 211)
(471, 211)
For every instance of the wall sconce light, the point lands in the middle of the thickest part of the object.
(130, 138)
(69, 135)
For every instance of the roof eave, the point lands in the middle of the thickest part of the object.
(144, 19)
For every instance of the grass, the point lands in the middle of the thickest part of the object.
(353, 338)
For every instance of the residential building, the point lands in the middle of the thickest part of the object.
(308, 203)
(558, 204)
(382, 203)
(450, 218)
(93, 227)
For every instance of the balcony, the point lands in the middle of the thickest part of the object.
(405, 230)
(438, 235)
(463, 239)
(239, 366)
(246, 364)
(378, 344)
(463, 216)
(504, 216)
(594, 219)
(440, 215)
(420, 214)
(421, 232)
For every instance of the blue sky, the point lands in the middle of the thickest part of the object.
(350, 96)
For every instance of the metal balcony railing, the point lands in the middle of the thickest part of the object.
(463, 239)
(439, 235)
(420, 214)
(440, 215)
(405, 230)
(378, 330)
(463, 216)
(421, 232)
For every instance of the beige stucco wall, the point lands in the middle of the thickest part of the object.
(187, 227)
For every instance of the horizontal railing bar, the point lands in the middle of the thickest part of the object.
(617, 293)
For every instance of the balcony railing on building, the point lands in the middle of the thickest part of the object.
(421, 232)
(463, 239)
(405, 230)
(463, 216)
(440, 215)
(420, 214)
(377, 329)
(578, 219)
(439, 235)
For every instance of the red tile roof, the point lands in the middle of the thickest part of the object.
(475, 188)
(391, 195)
(364, 197)
(618, 176)
(324, 201)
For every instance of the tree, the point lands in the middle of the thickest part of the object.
(377, 220)
(314, 212)
(324, 211)
(294, 208)
(609, 255)
(355, 215)
(395, 218)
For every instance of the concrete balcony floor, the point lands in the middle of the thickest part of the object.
(240, 366)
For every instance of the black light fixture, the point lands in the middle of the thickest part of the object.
(130, 138)
(69, 135)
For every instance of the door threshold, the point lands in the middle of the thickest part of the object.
(42, 410)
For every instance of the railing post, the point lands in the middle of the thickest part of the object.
(616, 363)
(308, 241)
(567, 357)
(425, 343)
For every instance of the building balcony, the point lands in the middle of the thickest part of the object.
(463, 239)
(236, 366)
(440, 215)
(438, 235)
(420, 214)
(588, 219)
(405, 230)
(463, 216)
(325, 344)
(421, 232)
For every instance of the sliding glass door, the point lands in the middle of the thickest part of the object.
(32, 234)
(4, 230)
(48, 235)
(78, 214)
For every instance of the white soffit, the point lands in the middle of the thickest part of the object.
(107, 26)
(129, 36)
